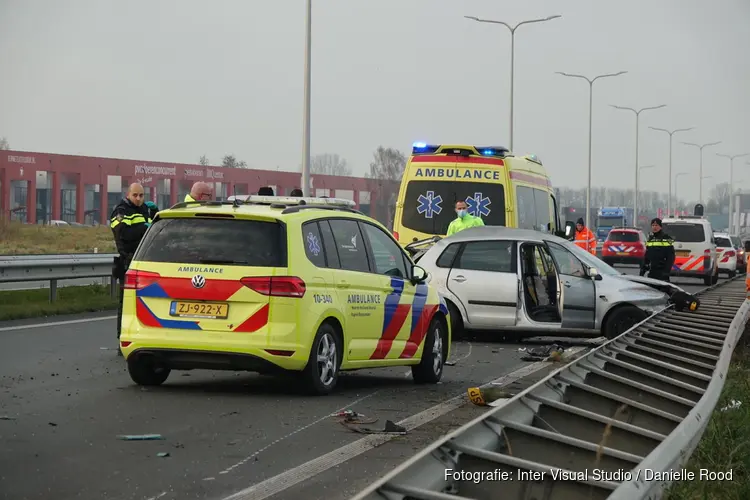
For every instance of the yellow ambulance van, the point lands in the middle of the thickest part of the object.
(501, 188)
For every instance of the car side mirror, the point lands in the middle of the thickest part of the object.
(570, 229)
(594, 273)
(418, 275)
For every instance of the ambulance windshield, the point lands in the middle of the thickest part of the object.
(429, 206)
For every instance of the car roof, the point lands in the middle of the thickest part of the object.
(276, 207)
(499, 233)
(687, 220)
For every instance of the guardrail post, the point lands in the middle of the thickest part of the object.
(52, 290)
(113, 288)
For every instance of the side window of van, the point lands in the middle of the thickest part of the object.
(526, 207)
(542, 202)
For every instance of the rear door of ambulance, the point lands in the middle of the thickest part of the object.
(210, 274)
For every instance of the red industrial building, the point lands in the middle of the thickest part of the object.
(37, 188)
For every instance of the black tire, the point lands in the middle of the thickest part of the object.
(430, 368)
(320, 377)
(457, 322)
(732, 274)
(145, 370)
(715, 277)
(621, 320)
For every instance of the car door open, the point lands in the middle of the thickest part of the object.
(483, 278)
(579, 303)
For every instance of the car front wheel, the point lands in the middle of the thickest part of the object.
(430, 368)
(623, 319)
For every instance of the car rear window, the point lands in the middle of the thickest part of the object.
(686, 233)
(723, 242)
(231, 242)
(625, 236)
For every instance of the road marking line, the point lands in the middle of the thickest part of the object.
(456, 361)
(246, 459)
(55, 323)
(312, 468)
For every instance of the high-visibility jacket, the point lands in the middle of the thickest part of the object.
(586, 240)
(189, 198)
(460, 224)
(747, 279)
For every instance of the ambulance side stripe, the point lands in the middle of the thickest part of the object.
(394, 317)
(418, 322)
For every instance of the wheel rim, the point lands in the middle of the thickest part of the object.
(437, 351)
(327, 357)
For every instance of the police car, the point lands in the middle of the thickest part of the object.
(268, 284)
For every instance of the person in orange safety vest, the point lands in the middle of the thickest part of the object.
(747, 276)
(585, 238)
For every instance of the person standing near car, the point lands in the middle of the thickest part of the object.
(584, 237)
(129, 221)
(464, 220)
(660, 255)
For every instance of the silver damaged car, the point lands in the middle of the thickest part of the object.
(533, 283)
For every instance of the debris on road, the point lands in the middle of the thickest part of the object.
(6, 417)
(389, 428)
(140, 437)
(352, 417)
(551, 352)
(485, 396)
(229, 413)
(450, 363)
(52, 424)
(733, 405)
(162, 454)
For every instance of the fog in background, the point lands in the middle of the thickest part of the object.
(170, 80)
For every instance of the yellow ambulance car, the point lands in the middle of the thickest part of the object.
(502, 189)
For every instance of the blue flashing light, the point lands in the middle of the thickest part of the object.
(488, 152)
(419, 145)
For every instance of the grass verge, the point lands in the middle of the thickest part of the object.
(17, 238)
(22, 304)
(725, 445)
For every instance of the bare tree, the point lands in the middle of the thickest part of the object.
(720, 195)
(203, 161)
(384, 178)
(4, 143)
(329, 164)
(229, 161)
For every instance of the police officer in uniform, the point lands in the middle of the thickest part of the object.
(129, 221)
(659, 253)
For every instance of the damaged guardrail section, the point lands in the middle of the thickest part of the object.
(618, 423)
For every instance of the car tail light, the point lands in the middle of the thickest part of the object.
(137, 280)
(276, 286)
(729, 253)
(395, 235)
(707, 251)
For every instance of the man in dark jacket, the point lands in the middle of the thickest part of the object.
(129, 221)
(659, 253)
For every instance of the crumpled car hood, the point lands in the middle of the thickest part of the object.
(662, 286)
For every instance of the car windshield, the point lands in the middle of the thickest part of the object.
(429, 205)
(591, 260)
(723, 242)
(685, 232)
(624, 236)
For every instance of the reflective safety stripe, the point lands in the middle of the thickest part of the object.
(130, 220)
(659, 243)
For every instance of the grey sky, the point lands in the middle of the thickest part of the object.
(171, 80)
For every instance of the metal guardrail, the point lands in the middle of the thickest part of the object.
(54, 268)
(612, 424)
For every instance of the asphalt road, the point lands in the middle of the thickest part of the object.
(65, 397)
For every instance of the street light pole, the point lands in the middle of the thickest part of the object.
(512, 55)
(700, 168)
(590, 81)
(731, 183)
(671, 134)
(306, 119)
(637, 128)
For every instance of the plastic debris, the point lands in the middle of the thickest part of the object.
(733, 405)
(551, 352)
(450, 363)
(162, 454)
(140, 437)
(352, 417)
(484, 396)
(389, 428)
(7, 417)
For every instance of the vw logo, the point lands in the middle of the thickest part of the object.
(198, 281)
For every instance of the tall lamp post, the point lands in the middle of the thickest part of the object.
(512, 55)
(731, 184)
(671, 134)
(637, 128)
(590, 81)
(306, 119)
(700, 168)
